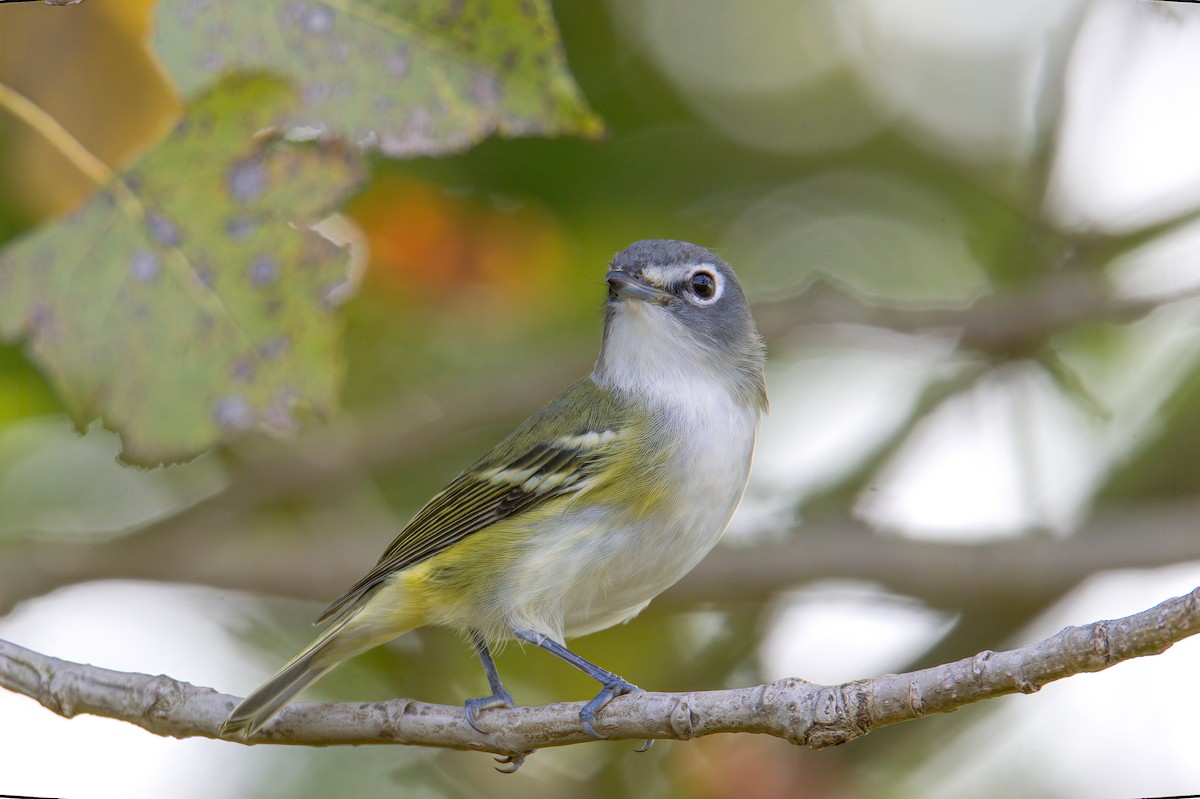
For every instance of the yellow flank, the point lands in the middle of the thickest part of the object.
(460, 586)
(471, 585)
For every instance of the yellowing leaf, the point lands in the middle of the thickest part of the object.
(187, 301)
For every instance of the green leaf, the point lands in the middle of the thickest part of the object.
(54, 484)
(187, 301)
(410, 77)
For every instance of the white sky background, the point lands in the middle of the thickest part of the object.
(974, 80)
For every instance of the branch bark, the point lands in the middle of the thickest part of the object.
(800, 712)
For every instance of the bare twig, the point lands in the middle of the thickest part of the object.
(800, 712)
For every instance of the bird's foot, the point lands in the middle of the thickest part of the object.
(501, 698)
(613, 688)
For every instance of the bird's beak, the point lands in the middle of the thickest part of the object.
(626, 285)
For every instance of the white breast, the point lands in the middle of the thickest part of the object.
(711, 473)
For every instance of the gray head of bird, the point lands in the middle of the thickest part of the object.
(676, 320)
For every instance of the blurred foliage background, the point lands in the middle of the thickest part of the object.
(970, 234)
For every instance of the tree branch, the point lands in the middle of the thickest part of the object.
(948, 574)
(800, 712)
(239, 553)
(1001, 325)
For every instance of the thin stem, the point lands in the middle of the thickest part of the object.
(53, 132)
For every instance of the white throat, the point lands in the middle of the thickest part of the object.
(646, 352)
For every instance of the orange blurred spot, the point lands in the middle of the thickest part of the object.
(427, 244)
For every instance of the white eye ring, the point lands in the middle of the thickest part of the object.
(704, 279)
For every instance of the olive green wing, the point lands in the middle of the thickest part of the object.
(511, 479)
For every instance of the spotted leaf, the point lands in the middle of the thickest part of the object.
(409, 77)
(188, 300)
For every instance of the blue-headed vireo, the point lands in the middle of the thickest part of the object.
(591, 507)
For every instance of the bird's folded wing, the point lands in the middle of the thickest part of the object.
(494, 489)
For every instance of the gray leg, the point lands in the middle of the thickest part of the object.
(613, 686)
(500, 696)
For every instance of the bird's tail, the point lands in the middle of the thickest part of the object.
(344, 640)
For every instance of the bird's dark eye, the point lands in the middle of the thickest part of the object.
(704, 285)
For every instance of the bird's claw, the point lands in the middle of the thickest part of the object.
(514, 762)
(501, 698)
(611, 690)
